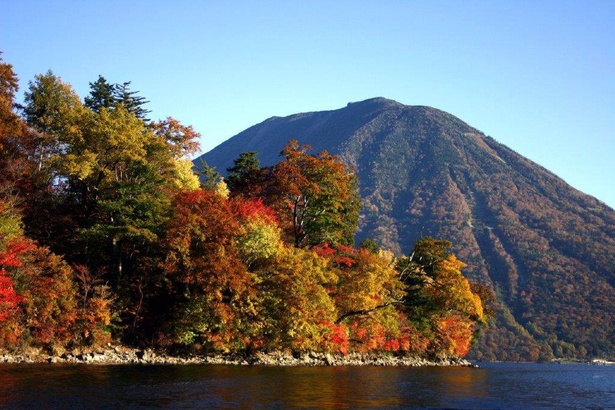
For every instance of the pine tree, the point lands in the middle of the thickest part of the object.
(102, 94)
(130, 100)
(242, 175)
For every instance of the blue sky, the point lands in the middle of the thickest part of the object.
(538, 76)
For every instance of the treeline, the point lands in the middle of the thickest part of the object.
(108, 234)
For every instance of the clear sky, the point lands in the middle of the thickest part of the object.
(538, 76)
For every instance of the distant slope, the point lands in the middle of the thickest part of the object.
(548, 249)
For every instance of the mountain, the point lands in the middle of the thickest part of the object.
(547, 249)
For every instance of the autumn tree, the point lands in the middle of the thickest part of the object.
(12, 247)
(258, 237)
(10, 329)
(439, 298)
(210, 288)
(49, 309)
(38, 293)
(96, 311)
(174, 143)
(55, 113)
(16, 142)
(295, 309)
(292, 304)
(367, 295)
(317, 196)
(110, 180)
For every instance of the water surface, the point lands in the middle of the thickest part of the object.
(492, 386)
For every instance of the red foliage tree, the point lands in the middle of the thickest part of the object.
(210, 286)
(9, 299)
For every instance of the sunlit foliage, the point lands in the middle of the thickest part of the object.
(107, 233)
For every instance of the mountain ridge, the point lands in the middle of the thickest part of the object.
(539, 243)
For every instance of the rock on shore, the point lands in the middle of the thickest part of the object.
(123, 355)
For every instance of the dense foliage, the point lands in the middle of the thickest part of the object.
(107, 234)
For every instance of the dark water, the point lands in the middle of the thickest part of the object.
(493, 386)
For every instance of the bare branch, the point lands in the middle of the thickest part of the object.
(367, 311)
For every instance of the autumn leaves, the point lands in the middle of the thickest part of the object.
(106, 232)
(271, 267)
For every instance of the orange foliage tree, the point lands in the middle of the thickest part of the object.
(38, 293)
(439, 299)
(210, 288)
(315, 197)
(49, 308)
(367, 295)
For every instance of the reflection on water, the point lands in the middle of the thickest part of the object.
(210, 386)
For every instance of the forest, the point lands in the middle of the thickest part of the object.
(109, 233)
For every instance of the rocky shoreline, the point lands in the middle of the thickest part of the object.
(120, 355)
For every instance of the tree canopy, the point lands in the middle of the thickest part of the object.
(107, 234)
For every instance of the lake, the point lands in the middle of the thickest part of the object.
(492, 386)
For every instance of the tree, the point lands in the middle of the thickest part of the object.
(55, 111)
(258, 237)
(102, 95)
(9, 257)
(172, 147)
(420, 270)
(10, 329)
(106, 95)
(367, 295)
(212, 180)
(52, 107)
(439, 298)
(12, 248)
(37, 293)
(15, 142)
(9, 85)
(49, 308)
(370, 245)
(294, 308)
(96, 308)
(245, 177)
(130, 100)
(315, 197)
(210, 288)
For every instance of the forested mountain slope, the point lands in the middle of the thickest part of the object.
(547, 249)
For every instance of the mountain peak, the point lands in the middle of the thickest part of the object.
(377, 101)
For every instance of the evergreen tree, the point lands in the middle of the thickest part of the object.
(370, 245)
(130, 100)
(106, 95)
(102, 94)
(210, 178)
(241, 175)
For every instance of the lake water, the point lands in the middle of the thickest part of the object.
(492, 386)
